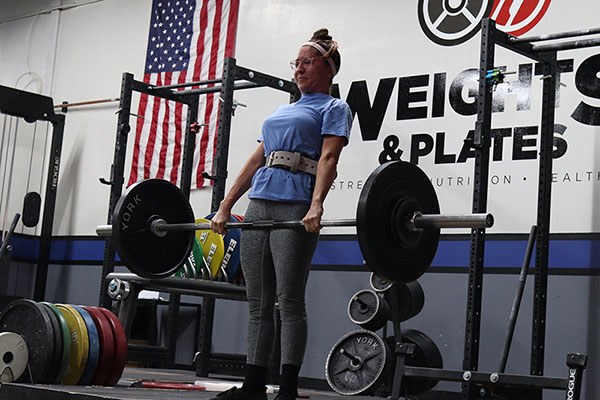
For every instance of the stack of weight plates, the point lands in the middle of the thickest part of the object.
(60, 343)
(214, 257)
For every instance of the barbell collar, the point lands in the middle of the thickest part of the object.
(473, 221)
(104, 230)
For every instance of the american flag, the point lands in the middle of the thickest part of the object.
(188, 42)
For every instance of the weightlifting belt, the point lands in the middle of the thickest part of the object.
(292, 161)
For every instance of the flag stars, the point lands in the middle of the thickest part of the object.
(171, 31)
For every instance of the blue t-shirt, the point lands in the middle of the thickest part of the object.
(298, 127)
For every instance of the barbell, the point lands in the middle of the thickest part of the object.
(398, 224)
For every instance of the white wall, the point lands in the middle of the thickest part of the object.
(80, 54)
(96, 43)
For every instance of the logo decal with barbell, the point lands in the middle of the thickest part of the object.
(452, 22)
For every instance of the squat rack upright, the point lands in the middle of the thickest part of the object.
(234, 77)
(546, 54)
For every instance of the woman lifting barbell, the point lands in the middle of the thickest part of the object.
(288, 175)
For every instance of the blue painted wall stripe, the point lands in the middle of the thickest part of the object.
(564, 253)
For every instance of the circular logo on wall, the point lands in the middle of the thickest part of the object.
(517, 17)
(452, 22)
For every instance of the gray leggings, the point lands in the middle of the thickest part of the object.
(276, 265)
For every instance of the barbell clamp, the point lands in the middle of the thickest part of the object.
(156, 227)
(417, 221)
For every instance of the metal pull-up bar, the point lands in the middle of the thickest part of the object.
(564, 45)
(558, 35)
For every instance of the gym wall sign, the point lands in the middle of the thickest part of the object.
(452, 22)
(434, 96)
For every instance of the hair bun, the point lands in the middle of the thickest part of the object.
(321, 34)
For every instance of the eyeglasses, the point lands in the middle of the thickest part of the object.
(305, 62)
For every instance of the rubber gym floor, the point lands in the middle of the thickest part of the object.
(129, 388)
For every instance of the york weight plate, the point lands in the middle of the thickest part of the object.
(357, 363)
(140, 249)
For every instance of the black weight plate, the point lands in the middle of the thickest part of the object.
(368, 310)
(358, 363)
(391, 193)
(55, 371)
(379, 284)
(144, 253)
(29, 319)
(66, 339)
(411, 299)
(426, 355)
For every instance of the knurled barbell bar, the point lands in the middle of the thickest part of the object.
(414, 222)
(397, 223)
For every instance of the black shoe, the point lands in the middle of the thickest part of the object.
(285, 396)
(236, 393)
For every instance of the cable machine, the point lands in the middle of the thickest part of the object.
(32, 108)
